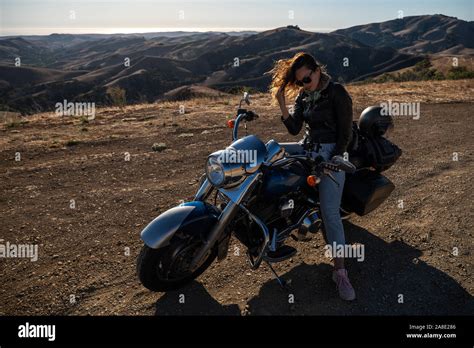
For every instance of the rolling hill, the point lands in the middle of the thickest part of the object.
(83, 67)
(435, 34)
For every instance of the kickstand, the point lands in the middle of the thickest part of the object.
(281, 281)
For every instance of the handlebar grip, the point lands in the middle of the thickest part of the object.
(250, 116)
(333, 167)
(343, 164)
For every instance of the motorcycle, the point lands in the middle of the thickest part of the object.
(259, 202)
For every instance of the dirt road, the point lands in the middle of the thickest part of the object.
(84, 190)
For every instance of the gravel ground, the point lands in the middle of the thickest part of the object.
(86, 265)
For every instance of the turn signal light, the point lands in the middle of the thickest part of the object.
(230, 123)
(312, 180)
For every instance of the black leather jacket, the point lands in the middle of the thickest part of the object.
(328, 120)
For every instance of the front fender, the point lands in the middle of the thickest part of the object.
(194, 217)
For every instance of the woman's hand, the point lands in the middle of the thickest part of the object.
(280, 96)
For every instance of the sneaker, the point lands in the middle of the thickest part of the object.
(346, 291)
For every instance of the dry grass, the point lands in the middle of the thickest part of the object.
(445, 91)
(140, 119)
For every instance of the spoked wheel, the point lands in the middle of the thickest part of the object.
(168, 268)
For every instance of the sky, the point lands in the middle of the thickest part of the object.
(43, 17)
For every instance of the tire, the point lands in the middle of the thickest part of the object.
(151, 261)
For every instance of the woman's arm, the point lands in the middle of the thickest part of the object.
(343, 110)
(294, 122)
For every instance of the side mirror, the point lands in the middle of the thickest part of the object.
(245, 98)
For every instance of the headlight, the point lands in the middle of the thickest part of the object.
(224, 173)
(215, 171)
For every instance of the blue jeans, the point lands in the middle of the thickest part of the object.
(330, 199)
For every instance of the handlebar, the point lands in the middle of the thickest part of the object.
(242, 115)
(344, 165)
(336, 164)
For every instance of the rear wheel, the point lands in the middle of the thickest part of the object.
(168, 268)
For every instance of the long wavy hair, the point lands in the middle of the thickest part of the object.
(284, 74)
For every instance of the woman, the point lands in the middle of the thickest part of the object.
(326, 109)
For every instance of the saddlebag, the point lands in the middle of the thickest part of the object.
(377, 152)
(364, 192)
(381, 153)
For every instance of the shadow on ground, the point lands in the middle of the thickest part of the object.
(197, 302)
(387, 272)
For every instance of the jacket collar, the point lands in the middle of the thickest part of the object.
(315, 95)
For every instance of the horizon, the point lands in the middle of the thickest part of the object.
(131, 31)
(108, 17)
(171, 30)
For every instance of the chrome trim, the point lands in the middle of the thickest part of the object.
(204, 191)
(286, 232)
(250, 143)
(235, 198)
(235, 131)
(234, 173)
(273, 244)
(274, 151)
(236, 194)
(309, 221)
(224, 218)
(255, 263)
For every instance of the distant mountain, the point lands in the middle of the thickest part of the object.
(417, 35)
(257, 54)
(83, 67)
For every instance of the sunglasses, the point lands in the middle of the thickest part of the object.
(305, 80)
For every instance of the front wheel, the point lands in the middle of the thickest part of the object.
(167, 268)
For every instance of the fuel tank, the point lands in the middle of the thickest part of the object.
(283, 180)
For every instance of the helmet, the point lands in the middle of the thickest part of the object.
(373, 122)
